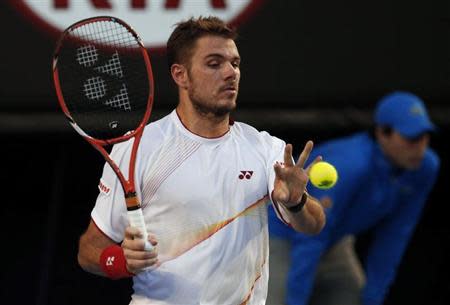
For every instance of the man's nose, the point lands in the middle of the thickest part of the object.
(230, 71)
(421, 142)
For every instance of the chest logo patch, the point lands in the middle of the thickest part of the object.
(245, 175)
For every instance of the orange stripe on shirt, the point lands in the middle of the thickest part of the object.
(210, 230)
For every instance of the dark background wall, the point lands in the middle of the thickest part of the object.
(310, 70)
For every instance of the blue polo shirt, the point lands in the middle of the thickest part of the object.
(370, 194)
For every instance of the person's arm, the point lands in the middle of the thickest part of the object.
(99, 254)
(306, 252)
(386, 250)
(305, 213)
(309, 219)
(90, 246)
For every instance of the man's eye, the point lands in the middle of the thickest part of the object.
(213, 64)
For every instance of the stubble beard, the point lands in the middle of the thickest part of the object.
(205, 108)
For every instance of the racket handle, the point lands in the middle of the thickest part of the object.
(136, 219)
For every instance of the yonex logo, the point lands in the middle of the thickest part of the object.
(110, 260)
(245, 174)
(95, 87)
(153, 20)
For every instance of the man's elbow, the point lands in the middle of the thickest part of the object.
(320, 224)
(82, 261)
(312, 227)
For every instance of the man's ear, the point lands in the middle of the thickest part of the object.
(179, 75)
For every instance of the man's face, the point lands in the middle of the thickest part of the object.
(213, 75)
(404, 152)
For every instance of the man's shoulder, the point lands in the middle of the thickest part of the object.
(253, 135)
(157, 132)
(158, 127)
(152, 135)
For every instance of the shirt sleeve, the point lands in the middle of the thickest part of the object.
(275, 154)
(391, 238)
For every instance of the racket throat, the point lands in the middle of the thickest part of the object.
(132, 201)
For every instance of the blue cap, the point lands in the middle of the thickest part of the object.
(405, 113)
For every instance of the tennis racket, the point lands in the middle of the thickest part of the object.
(104, 83)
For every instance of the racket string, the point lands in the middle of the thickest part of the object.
(104, 77)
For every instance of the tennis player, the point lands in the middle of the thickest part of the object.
(204, 182)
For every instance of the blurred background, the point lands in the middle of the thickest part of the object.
(310, 70)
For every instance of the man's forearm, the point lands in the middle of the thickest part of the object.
(310, 219)
(90, 247)
(89, 257)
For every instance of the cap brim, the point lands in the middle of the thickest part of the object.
(413, 131)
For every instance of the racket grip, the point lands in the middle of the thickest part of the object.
(136, 219)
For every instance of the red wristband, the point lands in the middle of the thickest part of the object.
(113, 263)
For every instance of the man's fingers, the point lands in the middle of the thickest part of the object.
(288, 155)
(305, 154)
(134, 244)
(152, 239)
(140, 255)
(132, 233)
(133, 239)
(278, 170)
(137, 266)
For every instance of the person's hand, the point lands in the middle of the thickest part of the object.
(133, 248)
(291, 179)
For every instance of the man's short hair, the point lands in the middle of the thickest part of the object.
(183, 38)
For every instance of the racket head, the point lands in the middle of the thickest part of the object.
(103, 79)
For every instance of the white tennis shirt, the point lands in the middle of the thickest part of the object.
(205, 200)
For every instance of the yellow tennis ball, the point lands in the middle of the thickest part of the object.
(323, 175)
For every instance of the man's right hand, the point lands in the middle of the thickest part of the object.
(136, 256)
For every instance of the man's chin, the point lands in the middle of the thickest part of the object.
(217, 111)
(413, 164)
(222, 111)
(224, 108)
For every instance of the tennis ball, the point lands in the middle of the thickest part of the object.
(323, 175)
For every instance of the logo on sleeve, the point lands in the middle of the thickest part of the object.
(110, 260)
(104, 188)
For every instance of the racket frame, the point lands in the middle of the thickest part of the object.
(128, 185)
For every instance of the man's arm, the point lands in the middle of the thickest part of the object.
(90, 247)
(310, 219)
(93, 243)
